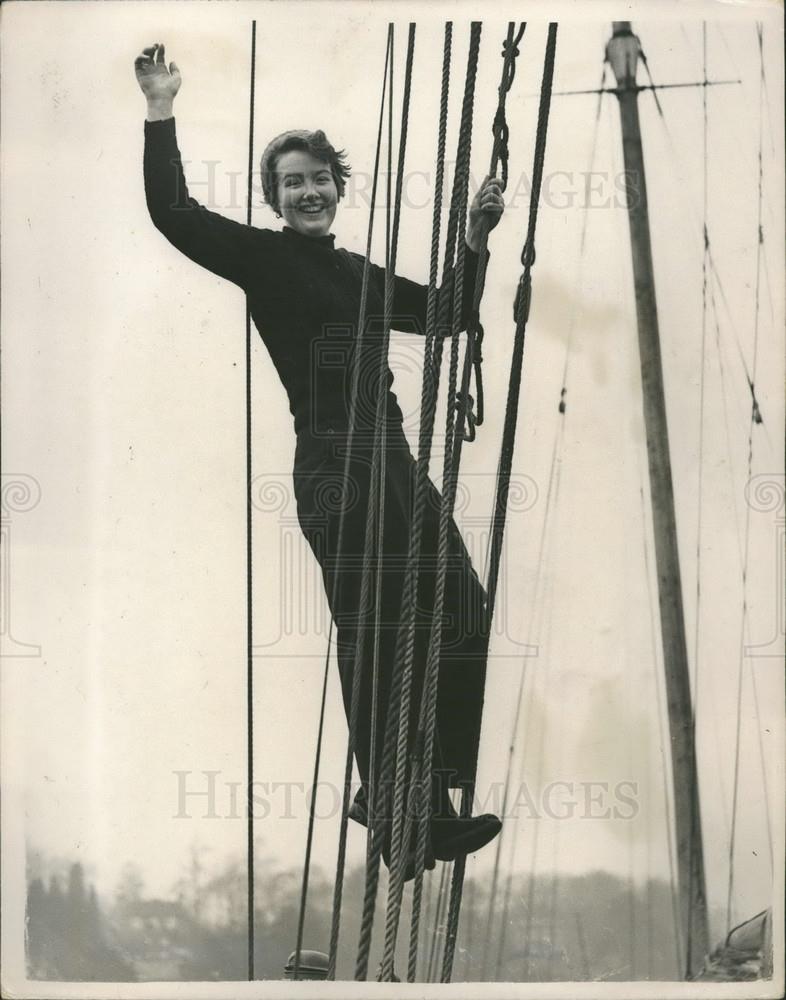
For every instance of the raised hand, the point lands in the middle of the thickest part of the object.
(159, 84)
(488, 202)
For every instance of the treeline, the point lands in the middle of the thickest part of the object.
(540, 929)
(68, 936)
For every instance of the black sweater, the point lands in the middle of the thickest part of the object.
(303, 294)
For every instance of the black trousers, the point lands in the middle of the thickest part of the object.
(321, 496)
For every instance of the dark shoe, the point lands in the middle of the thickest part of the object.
(451, 837)
(409, 866)
(358, 811)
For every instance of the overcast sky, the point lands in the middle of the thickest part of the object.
(123, 397)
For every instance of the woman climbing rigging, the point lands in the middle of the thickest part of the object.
(304, 297)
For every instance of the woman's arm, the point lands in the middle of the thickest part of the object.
(211, 240)
(410, 298)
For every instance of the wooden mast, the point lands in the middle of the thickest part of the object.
(622, 53)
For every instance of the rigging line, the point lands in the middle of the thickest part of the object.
(662, 739)
(753, 421)
(338, 888)
(729, 449)
(499, 157)
(249, 563)
(454, 437)
(701, 388)
(558, 732)
(439, 913)
(748, 376)
(381, 408)
(399, 853)
(312, 813)
(695, 806)
(544, 625)
(427, 720)
(762, 761)
(713, 269)
(740, 76)
(633, 764)
(554, 906)
(765, 88)
(540, 757)
(740, 354)
(428, 404)
(647, 770)
(712, 265)
(425, 923)
(469, 936)
(421, 767)
(380, 433)
(402, 676)
(439, 316)
(582, 244)
(499, 151)
(521, 311)
(730, 456)
(430, 380)
(514, 733)
(380, 445)
(736, 520)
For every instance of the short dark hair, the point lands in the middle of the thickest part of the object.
(316, 143)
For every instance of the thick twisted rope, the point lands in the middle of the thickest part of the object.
(521, 312)
(356, 674)
(301, 920)
(428, 398)
(375, 828)
(428, 703)
(400, 675)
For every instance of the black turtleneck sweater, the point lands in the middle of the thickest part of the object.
(303, 294)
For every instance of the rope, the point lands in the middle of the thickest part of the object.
(249, 556)
(700, 491)
(499, 156)
(338, 888)
(398, 701)
(755, 417)
(438, 917)
(379, 473)
(427, 724)
(538, 602)
(402, 676)
(475, 330)
(521, 311)
(311, 814)
(582, 244)
(521, 308)
(557, 449)
(428, 714)
(428, 404)
(663, 738)
(711, 260)
(381, 418)
(544, 534)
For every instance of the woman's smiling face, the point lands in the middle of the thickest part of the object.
(307, 193)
